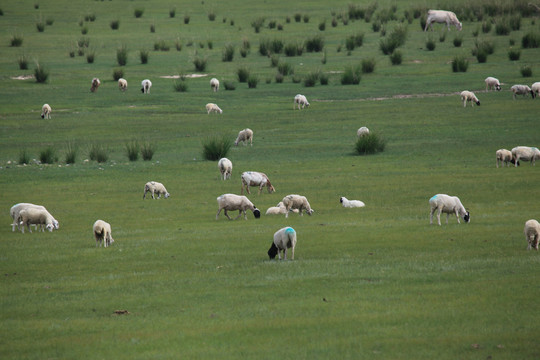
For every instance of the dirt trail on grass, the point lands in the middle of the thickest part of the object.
(400, 96)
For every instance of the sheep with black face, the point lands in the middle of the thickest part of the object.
(284, 238)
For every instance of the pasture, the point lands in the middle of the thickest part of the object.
(378, 282)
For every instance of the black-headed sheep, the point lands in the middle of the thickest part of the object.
(351, 203)
(232, 202)
(521, 90)
(492, 83)
(468, 96)
(46, 111)
(443, 203)
(525, 153)
(284, 239)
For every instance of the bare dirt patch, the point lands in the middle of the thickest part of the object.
(179, 76)
(22, 77)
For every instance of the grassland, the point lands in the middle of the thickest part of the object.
(371, 283)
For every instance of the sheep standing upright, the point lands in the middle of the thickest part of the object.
(532, 234)
(95, 84)
(36, 216)
(525, 153)
(211, 107)
(155, 187)
(46, 111)
(448, 205)
(255, 178)
(15, 215)
(214, 84)
(231, 202)
(102, 233)
(468, 96)
(122, 84)
(300, 100)
(504, 157)
(225, 167)
(145, 86)
(299, 202)
(363, 131)
(536, 89)
(521, 90)
(284, 238)
(244, 136)
(442, 16)
(492, 83)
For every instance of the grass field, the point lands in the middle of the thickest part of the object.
(371, 283)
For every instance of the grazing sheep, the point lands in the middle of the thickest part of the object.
(468, 96)
(505, 157)
(244, 136)
(36, 216)
(231, 202)
(442, 16)
(536, 89)
(225, 167)
(492, 83)
(362, 131)
(299, 202)
(155, 188)
(95, 84)
(525, 153)
(46, 111)
(122, 84)
(300, 100)
(102, 233)
(214, 84)
(279, 209)
(145, 86)
(255, 178)
(532, 233)
(448, 205)
(211, 107)
(351, 203)
(284, 238)
(16, 209)
(521, 90)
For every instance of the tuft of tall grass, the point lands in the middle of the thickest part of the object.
(40, 26)
(152, 28)
(370, 144)
(118, 73)
(502, 27)
(161, 45)
(216, 147)
(143, 55)
(297, 17)
(122, 55)
(252, 81)
(180, 85)
(257, 24)
(481, 56)
(115, 24)
(322, 25)
(514, 54)
(200, 63)
(395, 39)
(132, 150)
(98, 153)
(531, 40)
(229, 85)
(84, 30)
(323, 78)
(48, 155)
(314, 44)
(486, 27)
(460, 64)
(172, 12)
(24, 157)
(305, 18)
(228, 53)
(16, 40)
(485, 46)
(368, 65)
(40, 73)
(430, 44)
(396, 58)
(285, 68)
(147, 151)
(138, 12)
(90, 57)
(71, 152)
(211, 15)
(458, 40)
(526, 71)
(351, 75)
(178, 44)
(186, 19)
(23, 62)
(311, 79)
(243, 74)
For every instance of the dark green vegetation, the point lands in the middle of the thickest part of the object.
(371, 283)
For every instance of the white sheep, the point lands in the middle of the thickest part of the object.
(214, 84)
(102, 233)
(442, 16)
(362, 131)
(36, 216)
(300, 100)
(145, 86)
(122, 84)
(211, 107)
(276, 210)
(351, 203)
(448, 205)
(299, 202)
(231, 202)
(155, 188)
(504, 157)
(95, 84)
(492, 83)
(468, 96)
(536, 88)
(225, 167)
(284, 238)
(525, 153)
(46, 111)
(16, 209)
(244, 136)
(532, 233)
(255, 178)
(521, 90)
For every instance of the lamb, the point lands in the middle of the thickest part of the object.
(214, 84)
(145, 86)
(362, 131)
(521, 90)
(448, 205)
(536, 88)
(284, 238)
(46, 111)
(299, 202)
(36, 216)
(211, 107)
(278, 209)
(492, 83)
(532, 233)
(300, 100)
(525, 153)
(505, 157)
(95, 84)
(155, 188)
(225, 167)
(468, 96)
(351, 203)
(442, 16)
(16, 209)
(231, 202)
(122, 84)
(244, 136)
(102, 233)
(254, 178)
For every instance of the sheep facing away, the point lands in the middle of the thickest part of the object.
(363, 131)
(225, 167)
(525, 153)
(155, 188)
(442, 16)
(17, 208)
(301, 100)
(102, 233)
(521, 90)
(532, 234)
(536, 89)
(284, 239)
(95, 84)
(211, 107)
(468, 96)
(122, 84)
(299, 202)
(145, 86)
(351, 203)
(504, 157)
(232, 202)
(214, 84)
(492, 83)
(244, 136)
(448, 205)
(36, 216)
(255, 178)
(46, 111)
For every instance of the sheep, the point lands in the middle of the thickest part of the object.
(363, 131)
(155, 188)
(351, 203)
(532, 233)
(442, 16)
(95, 84)
(231, 202)
(448, 205)
(46, 111)
(122, 84)
(102, 233)
(525, 153)
(536, 88)
(211, 107)
(284, 238)
(145, 86)
(214, 84)
(255, 178)
(244, 136)
(492, 83)
(225, 167)
(299, 202)
(521, 90)
(468, 96)
(32, 215)
(300, 100)
(505, 157)
(279, 209)
(17, 208)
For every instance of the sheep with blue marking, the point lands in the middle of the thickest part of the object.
(443, 203)
(284, 238)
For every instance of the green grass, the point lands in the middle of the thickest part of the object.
(371, 283)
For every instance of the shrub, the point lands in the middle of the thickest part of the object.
(180, 85)
(324, 59)
(526, 71)
(152, 28)
(115, 24)
(138, 12)
(90, 17)
(16, 40)
(161, 45)
(252, 81)
(40, 26)
(502, 27)
(396, 58)
(122, 55)
(211, 15)
(23, 62)
(376, 26)
(351, 75)
(486, 27)
(442, 36)
(315, 44)
(98, 153)
(143, 55)
(530, 40)
(394, 40)
(48, 155)
(257, 24)
(515, 22)
(274, 60)
(243, 52)
(229, 85)
(369, 144)
(305, 18)
(458, 40)
(290, 49)
(132, 150)
(460, 64)
(323, 78)
(210, 44)
(147, 151)
(118, 73)
(311, 79)
(243, 74)
(90, 57)
(368, 65)
(322, 25)
(172, 12)
(483, 46)
(279, 77)
(228, 53)
(84, 30)
(216, 147)
(24, 157)
(430, 44)
(297, 17)
(334, 22)
(285, 68)
(71, 152)
(83, 42)
(178, 45)
(49, 21)
(200, 63)
(186, 19)
(40, 73)
(296, 79)
(481, 56)
(514, 54)
(272, 24)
